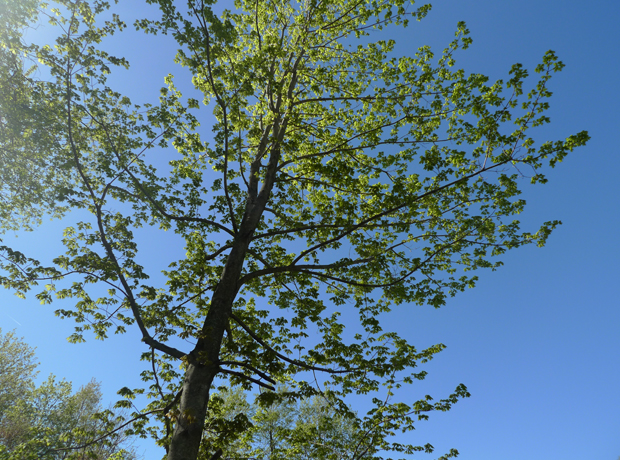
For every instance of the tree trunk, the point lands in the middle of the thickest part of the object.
(203, 360)
(185, 442)
(202, 366)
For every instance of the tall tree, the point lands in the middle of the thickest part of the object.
(48, 421)
(340, 179)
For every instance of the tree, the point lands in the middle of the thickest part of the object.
(48, 422)
(340, 179)
(306, 429)
(17, 369)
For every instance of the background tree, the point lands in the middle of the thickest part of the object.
(339, 178)
(26, 129)
(17, 370)
(49, 422)
(306, 429)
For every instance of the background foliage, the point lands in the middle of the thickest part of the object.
(48, 421)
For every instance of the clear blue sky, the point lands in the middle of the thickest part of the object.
(537, 342)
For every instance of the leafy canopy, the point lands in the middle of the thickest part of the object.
(333, 180)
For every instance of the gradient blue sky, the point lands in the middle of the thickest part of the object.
(537, 342)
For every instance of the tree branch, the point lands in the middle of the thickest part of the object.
(394, 209)
(109, 433)
(253, 380)
(157, 206)
(281, 356)
(392, 283)
(248, 366)
(300, 268)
